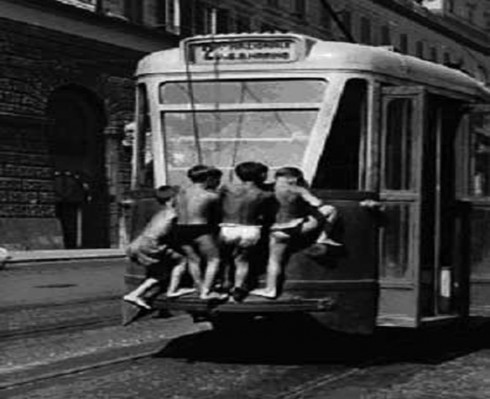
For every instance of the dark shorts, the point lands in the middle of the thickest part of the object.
(188, 233)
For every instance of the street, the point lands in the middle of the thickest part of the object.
(187, 362)
(65, 342)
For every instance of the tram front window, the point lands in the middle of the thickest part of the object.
(246, 92)
(268, 128)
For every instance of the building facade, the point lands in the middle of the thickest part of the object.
(66, 91)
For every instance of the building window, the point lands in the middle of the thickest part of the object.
(433, 54)
(222, 20)
(300, 8)
(168, 15)
(273, 3)
(385, 35)
(265, 27)
(365, 30)
(208, 17)
(243, 24)
(447, 59)
(347, 20)
(471, 12)
(133, 10)
(325, 19)
(450, 6)
(404, 43)
(419, 49)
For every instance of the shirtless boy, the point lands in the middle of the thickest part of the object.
(198, 209)
(295, 218)
(153, 249)
(245, 207)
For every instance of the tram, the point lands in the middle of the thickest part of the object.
(400, 145)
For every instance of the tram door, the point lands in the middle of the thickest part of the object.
(418, 225)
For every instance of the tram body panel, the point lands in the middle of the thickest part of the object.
(347, 274)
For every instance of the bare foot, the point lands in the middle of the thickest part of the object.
(137, 301)
(266, 293)
(238, 294)
(216, 296)
(329, 241)
(180, 292)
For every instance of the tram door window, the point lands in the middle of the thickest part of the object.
(477, 127)
(440, 250)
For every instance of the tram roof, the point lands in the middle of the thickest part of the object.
(327, 56)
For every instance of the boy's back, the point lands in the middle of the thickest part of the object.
(197, 206)
(245, 204)
(293, 203)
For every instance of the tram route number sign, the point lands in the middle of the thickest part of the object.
(244, 51)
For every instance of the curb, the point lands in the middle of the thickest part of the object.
(28, 258)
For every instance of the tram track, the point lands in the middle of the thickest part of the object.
(150, 350)
(380, 350)
(32, 374)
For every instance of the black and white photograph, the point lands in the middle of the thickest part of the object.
(245, 199)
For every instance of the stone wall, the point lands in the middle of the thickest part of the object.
(34, 62)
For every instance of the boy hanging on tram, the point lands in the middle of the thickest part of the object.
(155, 249)
(299, 215)
(246, 206)
(198, 210)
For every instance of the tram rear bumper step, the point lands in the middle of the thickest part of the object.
(250, 305)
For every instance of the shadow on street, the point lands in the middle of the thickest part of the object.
(300, 341)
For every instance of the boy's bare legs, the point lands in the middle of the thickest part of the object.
(278, 245)
(242, 267)
(136, 297)
(178, 271)
(194, 265)
(330, 216)
(208, 248)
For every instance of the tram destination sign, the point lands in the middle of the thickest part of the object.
(246, 50)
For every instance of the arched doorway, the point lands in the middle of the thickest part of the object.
(78, 155)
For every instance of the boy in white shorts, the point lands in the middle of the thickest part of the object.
(245, 207)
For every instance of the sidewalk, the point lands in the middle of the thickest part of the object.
(42, 278)
(22, 258)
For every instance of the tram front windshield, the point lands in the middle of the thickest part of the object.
(229, 122)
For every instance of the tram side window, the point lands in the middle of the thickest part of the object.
(398, 145)
(480, 126)
(143, 152)
(341, 165)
